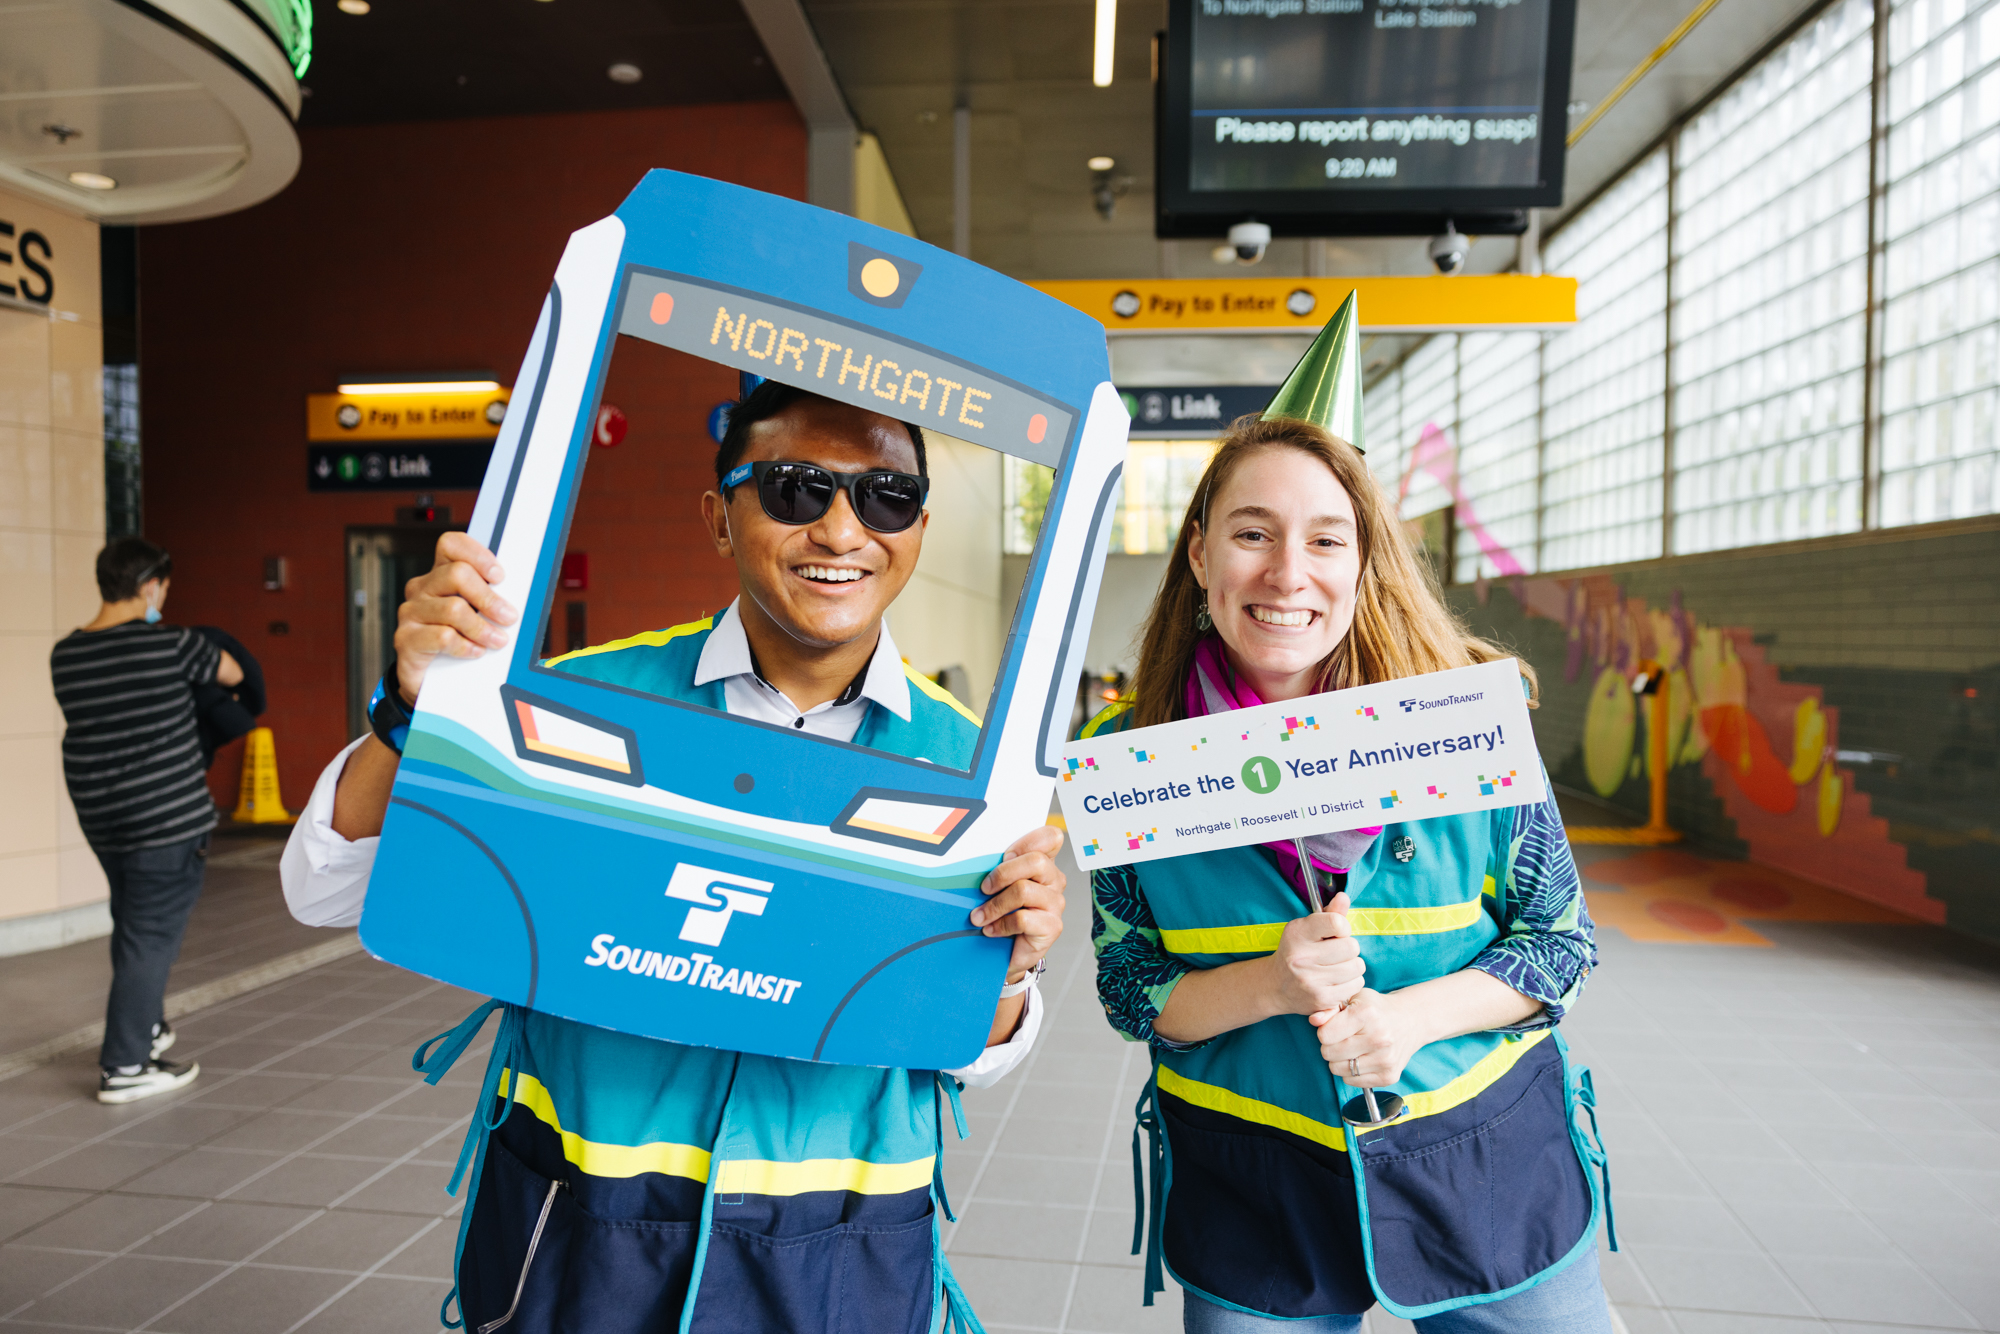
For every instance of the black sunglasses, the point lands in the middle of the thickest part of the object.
(798, 493)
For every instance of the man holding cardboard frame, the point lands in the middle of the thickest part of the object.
(626, 1177)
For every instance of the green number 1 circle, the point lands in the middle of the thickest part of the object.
(1260, 775)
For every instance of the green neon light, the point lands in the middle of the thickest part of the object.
(302, 37)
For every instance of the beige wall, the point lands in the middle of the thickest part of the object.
(951, 615)
(51, 526)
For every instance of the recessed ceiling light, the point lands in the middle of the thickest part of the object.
(91, 180)
(353, 6)
(1102, 163)
(624, 73)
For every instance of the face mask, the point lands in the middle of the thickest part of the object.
(152, 615)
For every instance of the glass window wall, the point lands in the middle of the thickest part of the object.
(1770, 295)
(1941, 270)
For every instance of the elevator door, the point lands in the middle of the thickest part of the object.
(379, 562)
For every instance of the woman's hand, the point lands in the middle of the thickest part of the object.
(1317, 965)
(453, 610)
(1368, 1043)
(1025, 899)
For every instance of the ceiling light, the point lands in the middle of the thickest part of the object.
(1101, 163)
(624, 73)
(1107, 31)
(353, 6)
(422, 387)
(91, 180)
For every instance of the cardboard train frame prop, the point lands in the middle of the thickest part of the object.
(664, 869)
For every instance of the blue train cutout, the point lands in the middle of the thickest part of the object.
(664, 869)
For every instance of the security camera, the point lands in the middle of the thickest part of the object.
(1248, 240)
(1449, 252)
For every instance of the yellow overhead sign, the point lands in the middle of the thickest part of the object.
(455, 415)
(1388, 305)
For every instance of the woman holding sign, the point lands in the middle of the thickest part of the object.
(1450, 949)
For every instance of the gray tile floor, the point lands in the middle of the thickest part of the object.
(1805, 1139)
(239, 924)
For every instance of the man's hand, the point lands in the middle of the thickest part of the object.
(1368, 1043)
(453, 610)
(1317, 965)
(1026, 899)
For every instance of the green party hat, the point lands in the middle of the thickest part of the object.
(1325, 387)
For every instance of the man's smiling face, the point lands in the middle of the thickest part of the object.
(825, 583)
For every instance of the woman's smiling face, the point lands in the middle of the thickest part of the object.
(1280, 557)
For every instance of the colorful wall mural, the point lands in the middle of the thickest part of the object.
(1835, 703)
(1768, 748)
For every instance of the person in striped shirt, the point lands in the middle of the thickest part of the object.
(132, 758)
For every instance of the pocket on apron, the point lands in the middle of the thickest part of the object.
(853, 1278)
(1258, 1218)
(1480, 1198)
(587, 1274)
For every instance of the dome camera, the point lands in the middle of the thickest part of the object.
(1450, 251)
(1249, 240)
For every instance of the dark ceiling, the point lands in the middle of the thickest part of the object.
(410, 60)
(1022, 66)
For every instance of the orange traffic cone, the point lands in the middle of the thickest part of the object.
(258, 802)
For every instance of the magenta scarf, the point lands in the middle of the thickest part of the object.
(1212, 688)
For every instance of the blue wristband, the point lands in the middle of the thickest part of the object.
(387, 716)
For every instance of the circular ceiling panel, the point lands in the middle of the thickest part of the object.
(187, 107)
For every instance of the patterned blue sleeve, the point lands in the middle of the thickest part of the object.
(1135, 974)
(1547, 944)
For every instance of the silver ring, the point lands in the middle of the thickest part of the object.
(1353, 1066)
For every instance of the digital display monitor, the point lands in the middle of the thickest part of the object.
(1358, 117)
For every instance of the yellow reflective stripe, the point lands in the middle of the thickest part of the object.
(1104, 716)
(1486, 1072)
(738, 1175)
(650, 639)
(609, 1160)
(1483, 1075)
(938, 693)
(1258, 938)
(1262, 937)
(1488, 888)
(1219, 1099)
(1414, 921)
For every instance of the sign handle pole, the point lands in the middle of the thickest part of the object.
(1311, 878)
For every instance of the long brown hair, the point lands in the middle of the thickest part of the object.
(1401, 625)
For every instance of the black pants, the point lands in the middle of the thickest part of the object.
(152, 892)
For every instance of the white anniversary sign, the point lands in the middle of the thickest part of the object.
(1442, 744)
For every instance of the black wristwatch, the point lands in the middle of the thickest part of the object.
(387, 714)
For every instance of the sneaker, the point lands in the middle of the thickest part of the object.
(163, 1038)
(150, 1078)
